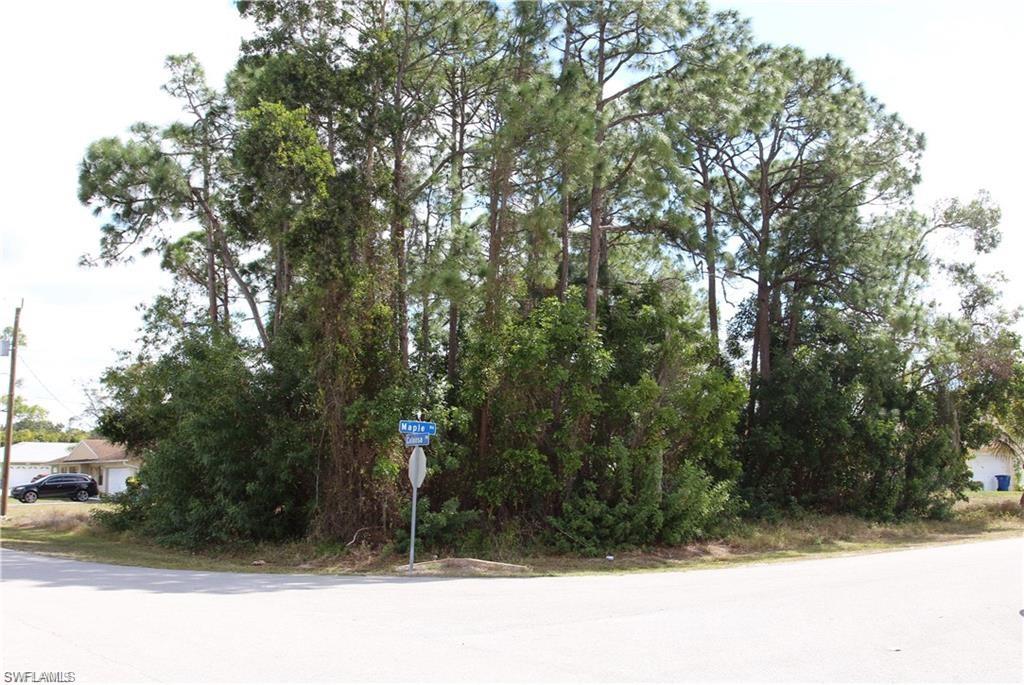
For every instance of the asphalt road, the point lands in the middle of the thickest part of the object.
(949, 613)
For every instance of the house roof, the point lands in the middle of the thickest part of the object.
(39, 452)
(95, 450)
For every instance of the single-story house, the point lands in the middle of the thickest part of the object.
(32, 459)
(987, 463)
(111, 465)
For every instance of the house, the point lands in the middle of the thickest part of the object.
(31, 459)
(987, 463)
(111, 465)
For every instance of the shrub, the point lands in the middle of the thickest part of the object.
(128, 508)
(444, 529)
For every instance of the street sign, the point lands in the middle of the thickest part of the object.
(417, 427)
(417, 467)
(413, 440)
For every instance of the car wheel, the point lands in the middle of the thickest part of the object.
(29, 497)
(82, 495)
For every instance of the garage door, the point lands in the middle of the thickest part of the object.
(24, 473)
(117, 479)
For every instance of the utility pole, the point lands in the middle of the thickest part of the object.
(9, 434)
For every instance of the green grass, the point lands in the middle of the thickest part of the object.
(65, 529)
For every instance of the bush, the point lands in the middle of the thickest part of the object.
(129, 508)
(596, 439)
(836, 430)
(228, 455)
(443, 530)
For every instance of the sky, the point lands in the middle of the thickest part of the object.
(77, 71)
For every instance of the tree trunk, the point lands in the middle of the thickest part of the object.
(211, 262)
(596, 241)
(793, 321)
(752, 385)
(366, 251)
(211, 275)
(453, 342)
(563, 266)
(710, 251)
(228, 261)
(763, 327)
(494, 227)
(597, 187)
(762, 330)
(398, 217)
(225, 297)
(457, 180)
(425, 312)
(282, 280)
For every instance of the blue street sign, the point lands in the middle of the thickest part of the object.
(417, 427)
(413, 440)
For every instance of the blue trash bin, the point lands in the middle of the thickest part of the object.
(1002, 483)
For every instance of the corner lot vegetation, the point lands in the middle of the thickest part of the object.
(71, 530)
(649, 276)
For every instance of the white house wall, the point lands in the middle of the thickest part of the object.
(985, 466)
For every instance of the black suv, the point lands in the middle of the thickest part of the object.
(76, 486)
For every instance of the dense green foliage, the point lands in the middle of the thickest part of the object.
(32, 423)
(502, 216)
(228, 451)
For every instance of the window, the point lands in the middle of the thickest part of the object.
(99, 478)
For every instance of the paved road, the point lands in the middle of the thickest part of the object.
(948, 613)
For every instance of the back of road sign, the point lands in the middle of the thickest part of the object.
(417, 467)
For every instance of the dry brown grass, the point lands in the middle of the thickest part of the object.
(57, 520)
(56, 515)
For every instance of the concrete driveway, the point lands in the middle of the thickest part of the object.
(949, 613)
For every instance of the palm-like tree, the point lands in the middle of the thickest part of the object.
(1006, 444)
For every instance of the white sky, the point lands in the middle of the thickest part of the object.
(77, 71)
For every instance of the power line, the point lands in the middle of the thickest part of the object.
(70, 411)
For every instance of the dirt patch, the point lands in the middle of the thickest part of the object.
(456, 566)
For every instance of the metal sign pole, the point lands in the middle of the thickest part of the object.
(412, 538)
(417, 472)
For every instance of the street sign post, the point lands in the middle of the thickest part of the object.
(417, 434)
(417, 472)
(417, 427)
